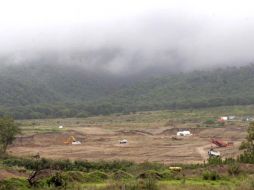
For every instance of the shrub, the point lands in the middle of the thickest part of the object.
(67, 165)
(74, 176)
(215, 160)
(57, 180)
(166, 174)
(152, 166)
(234, 169)
(229, 161)
(150, 174)
(120, 175)
(210, 121)
(248, 146)
(211, 175)
(95, 176)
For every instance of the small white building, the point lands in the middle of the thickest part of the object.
(224, 118)
(60, 127)
(231, 117)
(183, 133)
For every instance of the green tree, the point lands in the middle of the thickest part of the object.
(248, 146)
(8, 131)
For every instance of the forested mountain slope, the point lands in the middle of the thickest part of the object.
(52, 90)
(36, 84)
(229, 86)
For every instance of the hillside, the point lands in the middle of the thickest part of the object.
(34, 90)
(229, 86)
(52, 90)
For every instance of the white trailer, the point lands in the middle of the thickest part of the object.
(183, 133)
(214, 153)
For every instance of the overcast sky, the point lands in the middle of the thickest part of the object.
(120, 35)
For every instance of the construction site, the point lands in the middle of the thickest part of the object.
(139, 142)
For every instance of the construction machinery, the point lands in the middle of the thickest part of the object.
(213, 153)
(124, 141)
(221, 143)
(183, 133)
(72, 140)
(176, 169)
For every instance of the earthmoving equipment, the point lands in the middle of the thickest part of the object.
(72, 140)
(176, 169)
(124, 141)
(213, 153)
(183, 133)
(221, 143)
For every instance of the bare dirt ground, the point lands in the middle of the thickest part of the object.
(144, 144)
(5, 174)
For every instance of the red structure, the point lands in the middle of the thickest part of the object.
(220, 143)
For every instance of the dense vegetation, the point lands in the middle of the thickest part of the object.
(65, 174)
(40, 91)
(8, 131)
(248, 146)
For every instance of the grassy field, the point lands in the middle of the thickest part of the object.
(140, 119)
(79, 181)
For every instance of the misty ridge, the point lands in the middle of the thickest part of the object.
(152, 44)
(50, 91)
(85, 59)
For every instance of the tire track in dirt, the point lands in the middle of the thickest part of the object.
(202, 151)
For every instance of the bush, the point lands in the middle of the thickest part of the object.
(67, 165)
(120, 175)
(211, 175)
(167, 175)
(152, 166)
(95, 176)
(229, 161)
(234, 169)
(215, 161)
(210, 121)
(248, 146)
(74, 176)
(246, 157)
(150, 174)
(57, 180)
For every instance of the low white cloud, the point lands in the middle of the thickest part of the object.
(128, 36)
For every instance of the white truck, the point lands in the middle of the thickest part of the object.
(214, 153)
(183, 133)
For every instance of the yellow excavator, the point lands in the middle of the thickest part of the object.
(72, 140)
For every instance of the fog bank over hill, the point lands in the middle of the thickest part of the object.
(51, 90)
(120, 38)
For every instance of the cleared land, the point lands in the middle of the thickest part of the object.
(149, 136)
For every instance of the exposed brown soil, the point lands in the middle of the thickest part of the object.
(5, 174)
(152, 144)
